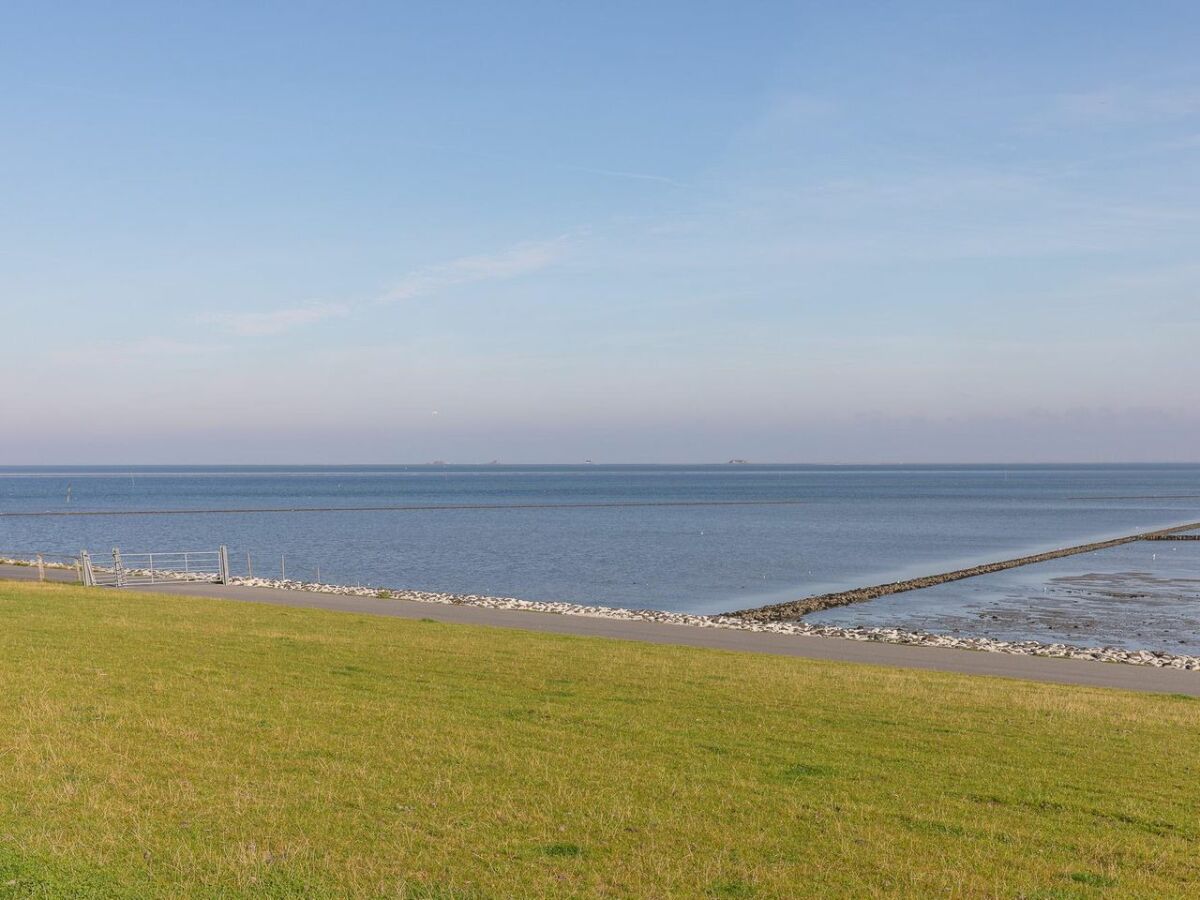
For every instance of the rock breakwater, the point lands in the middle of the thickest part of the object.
(794, 609)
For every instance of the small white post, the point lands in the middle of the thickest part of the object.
(282, 568)
(249, 567)
(41, 563)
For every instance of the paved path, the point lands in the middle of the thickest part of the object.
(971, 662)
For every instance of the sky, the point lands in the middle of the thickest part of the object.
(626, 232)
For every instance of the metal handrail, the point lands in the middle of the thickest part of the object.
(211, 565)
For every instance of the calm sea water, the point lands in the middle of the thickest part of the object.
(841, 527)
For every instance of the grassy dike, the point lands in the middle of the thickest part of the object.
(163, 746)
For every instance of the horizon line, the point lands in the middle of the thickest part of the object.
(734, 463)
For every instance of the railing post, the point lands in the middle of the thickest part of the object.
(223, 564)
(89, 577)
(41, 564)
(118, 569)
(151, 568)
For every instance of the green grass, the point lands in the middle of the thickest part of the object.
(155, 746)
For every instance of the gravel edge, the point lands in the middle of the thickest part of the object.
(1154, 658)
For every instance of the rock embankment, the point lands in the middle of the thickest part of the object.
(1155, 658)
(794, 609)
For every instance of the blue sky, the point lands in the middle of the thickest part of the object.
(627, 232)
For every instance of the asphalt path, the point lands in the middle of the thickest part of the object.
(940, 659)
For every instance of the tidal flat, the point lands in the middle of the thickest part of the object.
(1144, 595)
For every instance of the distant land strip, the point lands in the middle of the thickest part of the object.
(794, 609)
(615, 504)
(1141, 497)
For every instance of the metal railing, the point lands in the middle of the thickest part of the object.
(41, 560)
(159, 567)
(121, 568)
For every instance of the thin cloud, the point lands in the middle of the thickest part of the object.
(152, 348)
(277, 321)
(1189, 142)
(523, 259)
(1126, 105)
(634, 176)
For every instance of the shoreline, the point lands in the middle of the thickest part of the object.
(1155, 658)
(732, 622)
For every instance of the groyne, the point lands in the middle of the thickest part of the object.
(794, 609)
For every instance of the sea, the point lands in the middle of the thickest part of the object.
(694, 538)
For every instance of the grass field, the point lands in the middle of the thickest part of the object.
(155, 746)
